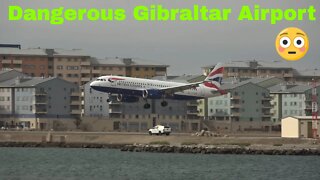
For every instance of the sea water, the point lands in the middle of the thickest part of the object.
(64, 163)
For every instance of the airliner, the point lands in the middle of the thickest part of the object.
(130, 89)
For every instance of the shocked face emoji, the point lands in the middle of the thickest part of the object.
(292, 44)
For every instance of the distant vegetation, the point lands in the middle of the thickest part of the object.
(159, 143)
(230, 144)
(277, 144)
(188, 143)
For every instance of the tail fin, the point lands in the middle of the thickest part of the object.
(214, 79)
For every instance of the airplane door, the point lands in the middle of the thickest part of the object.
(201, 91)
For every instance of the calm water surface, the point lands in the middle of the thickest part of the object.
(59, 163)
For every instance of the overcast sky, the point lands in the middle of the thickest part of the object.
(185, 46)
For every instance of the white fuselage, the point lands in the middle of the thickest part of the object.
(109, 84)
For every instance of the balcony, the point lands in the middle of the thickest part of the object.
(6, 61)
(287, 75)
(266, 98)
(266, 115)
(85, 71)
(18, 69)
(41, 102)
(192, 103)
(75, 111)
(160, 73)
(39, 93)
(17, 61)
(235, 97)
(266, 106)
(96, 71)
(193, 112)
(85, 79)
(235, 114)
(235, 106)
(85, 63)
(74, 102)
(233, 74)
(308, 108)
(75, 94)
(115, 111)
(41, 111)
(115, 103)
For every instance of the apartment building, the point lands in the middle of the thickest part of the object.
(306, 76)
(95, 103)
(131, 67)
(245, 106)
(72, 65)
(249, 69)
(262, 69)
(29, 102)
(291, 100)
(33, 62)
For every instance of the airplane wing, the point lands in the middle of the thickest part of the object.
(174, 89)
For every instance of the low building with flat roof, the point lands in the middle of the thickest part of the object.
(298, 127)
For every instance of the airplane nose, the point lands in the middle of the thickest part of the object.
(92, 84)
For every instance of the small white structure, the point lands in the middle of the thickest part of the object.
(297, 127)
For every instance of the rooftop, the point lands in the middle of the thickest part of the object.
(230, 83)
(289, 88)
(255, 64)
(25, 81)
(126, 62)
(307, 72)
(42, 52)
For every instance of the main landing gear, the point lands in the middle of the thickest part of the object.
(146, 106)
(164, 103)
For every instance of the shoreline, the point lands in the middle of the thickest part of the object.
(176, 143)
(190, 149)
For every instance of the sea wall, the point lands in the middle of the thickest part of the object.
(193, 149)
(221, 150)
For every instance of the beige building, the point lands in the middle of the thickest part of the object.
(72, 65)
(297, 127)
(261, 69)
(131, 67)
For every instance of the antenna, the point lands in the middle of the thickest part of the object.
(165, 77)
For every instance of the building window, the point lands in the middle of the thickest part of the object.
(59, 67)
(137, 68)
